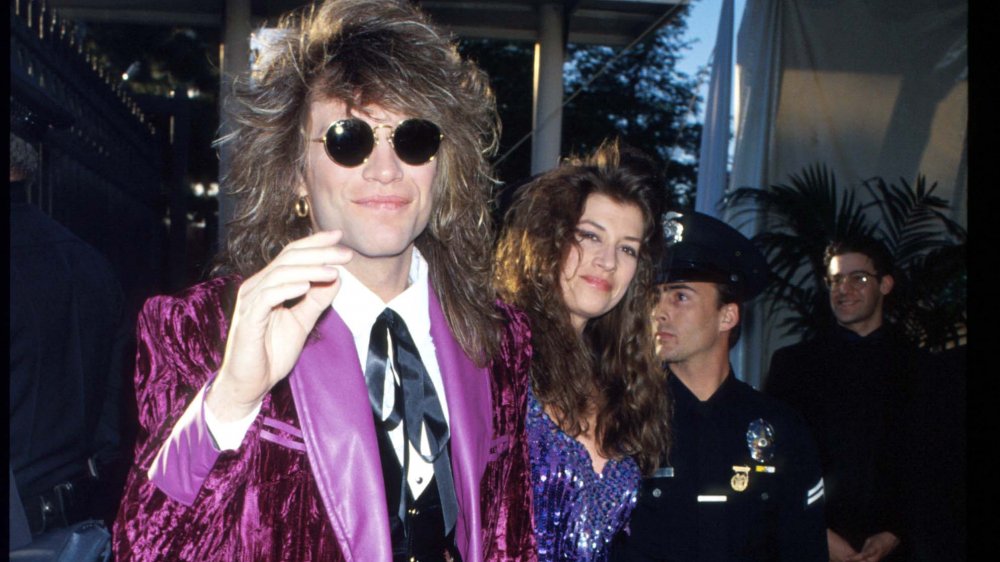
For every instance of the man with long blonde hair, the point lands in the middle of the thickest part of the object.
(346, 388)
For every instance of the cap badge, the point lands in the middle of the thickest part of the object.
(673, 228)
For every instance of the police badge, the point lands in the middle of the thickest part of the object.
(760, 440)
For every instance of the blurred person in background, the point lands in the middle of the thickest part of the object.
(67, 340)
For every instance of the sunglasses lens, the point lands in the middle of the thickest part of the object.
(349, 142)
(416, 141)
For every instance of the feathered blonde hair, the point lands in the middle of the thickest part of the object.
(366, 52)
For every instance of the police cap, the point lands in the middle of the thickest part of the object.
(703, 248)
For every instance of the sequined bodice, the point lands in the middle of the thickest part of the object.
(576, 511)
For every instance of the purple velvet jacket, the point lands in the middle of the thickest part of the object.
(306, 483)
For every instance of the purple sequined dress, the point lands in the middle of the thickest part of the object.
(577, 511)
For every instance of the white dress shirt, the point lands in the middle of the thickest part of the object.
(359, 307)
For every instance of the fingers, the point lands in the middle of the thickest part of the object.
(860, 555)
(866, 555)
(284, 294)
(298, 275)
(321, 238)
(317, 299)
(320, 248)
(300, 264)
(316, 248)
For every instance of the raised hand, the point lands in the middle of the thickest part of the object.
(275, 311)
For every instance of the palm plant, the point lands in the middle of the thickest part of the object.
(801, 217)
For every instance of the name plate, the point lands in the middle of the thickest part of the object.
(664, 472)
(711, 499)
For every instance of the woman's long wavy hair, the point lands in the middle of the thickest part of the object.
(366, 52)
(610, 374)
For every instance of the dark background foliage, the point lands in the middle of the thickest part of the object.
(645, 99)
(638, 95)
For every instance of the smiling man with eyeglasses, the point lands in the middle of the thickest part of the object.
(858, 287)
(851, 384)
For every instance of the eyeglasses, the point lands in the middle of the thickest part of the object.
(349, 142)
(854, 280)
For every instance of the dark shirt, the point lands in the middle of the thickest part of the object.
(935, 486)
(854, 392)
(699, 514)
(66, 340)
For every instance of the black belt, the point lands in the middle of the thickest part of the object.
(66, 503)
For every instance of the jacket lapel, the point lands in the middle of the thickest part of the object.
(331, 398)
(470, 420)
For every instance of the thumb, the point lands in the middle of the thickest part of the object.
(322, 294)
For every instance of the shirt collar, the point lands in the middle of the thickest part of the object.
(684, 399)
(359, 306)
(851, 336)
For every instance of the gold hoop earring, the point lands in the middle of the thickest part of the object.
(302, 207)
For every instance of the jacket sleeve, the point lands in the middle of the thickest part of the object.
(179, 346)
(506, 486)
(188, 454)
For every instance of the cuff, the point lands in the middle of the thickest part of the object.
(187, 457)
(227, 436)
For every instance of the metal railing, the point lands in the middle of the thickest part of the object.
(103, 176)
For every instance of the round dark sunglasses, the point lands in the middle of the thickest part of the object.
(349, 142)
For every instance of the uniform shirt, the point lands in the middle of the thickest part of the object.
(692, 509)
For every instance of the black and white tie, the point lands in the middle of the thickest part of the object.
(416, 405)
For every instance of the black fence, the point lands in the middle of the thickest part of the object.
(102, 177)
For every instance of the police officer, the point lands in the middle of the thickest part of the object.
(742, 481)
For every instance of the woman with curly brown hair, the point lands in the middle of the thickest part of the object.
(576, 257)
